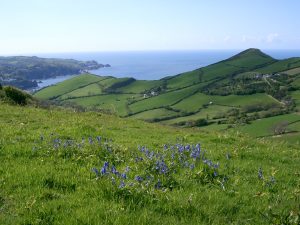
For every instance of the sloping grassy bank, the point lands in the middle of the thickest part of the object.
(61, 167)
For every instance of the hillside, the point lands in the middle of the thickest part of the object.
(22, 71)
(248, 87)
(62, 167)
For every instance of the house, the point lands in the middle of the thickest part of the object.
(153, 93)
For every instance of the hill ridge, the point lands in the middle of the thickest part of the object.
(226, 94)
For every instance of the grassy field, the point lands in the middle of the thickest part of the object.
(296, 96)
(264, 127)
(223, 86)
(184, 80)
(92, 89)
(161, 113)
(164, 99)
(294, 71)
(140, 86)
(209, 112)
(192, 103)
(243, 100)
(281, 66)
(116, 103)
(67, 86)
(61, 167)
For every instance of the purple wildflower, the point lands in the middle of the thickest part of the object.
(96, 171)
(138, 178)
(260, 174)
(122, 184)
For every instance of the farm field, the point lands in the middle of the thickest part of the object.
(264, 127)
(239, 90)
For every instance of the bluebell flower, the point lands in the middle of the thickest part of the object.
(98, 139)
(158, 185)
(173, 156)
(192, 166)
(124, 176)
(122, 184)
(103, 170)
(96, 171)
(216, 166)
(114, 170)
(106, 164)
(272, 180)
(187, 147)
(215, 173)
(186, 164)
(260, 174)
(138, 178)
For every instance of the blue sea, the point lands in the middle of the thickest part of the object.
(153, 65)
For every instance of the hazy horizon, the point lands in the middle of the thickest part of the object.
(41, 54)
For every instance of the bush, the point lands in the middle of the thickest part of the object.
(16, 95)
(201, 122)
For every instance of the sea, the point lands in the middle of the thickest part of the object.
(152, 65)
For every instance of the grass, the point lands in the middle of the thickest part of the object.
(192, 103)
(263, 127)
(219, 70)
(161, 113)
(140, 86)
(184, 79)
(281, 66)
(243, 100)
(209, 112)
(164, 99)
(116, 103)
(296, 83)
(92, 89)
(296, 96)
(294, 71)
(195, 102)
(252, 58)
(184, 94)
(59, 89)
(42, 182)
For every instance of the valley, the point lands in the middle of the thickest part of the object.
(236, 93)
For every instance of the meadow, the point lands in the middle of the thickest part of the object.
(64, 167)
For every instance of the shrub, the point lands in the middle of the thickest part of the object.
(16, 95)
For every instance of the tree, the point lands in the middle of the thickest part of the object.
(280, 128)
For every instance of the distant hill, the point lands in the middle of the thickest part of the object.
(22, 71)
(232, 93)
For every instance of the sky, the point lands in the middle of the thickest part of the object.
(45, 26)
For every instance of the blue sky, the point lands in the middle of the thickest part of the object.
(37, 26)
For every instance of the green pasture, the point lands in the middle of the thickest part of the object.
(48, 161)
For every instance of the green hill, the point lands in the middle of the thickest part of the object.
(235, 92)
(62, 167)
